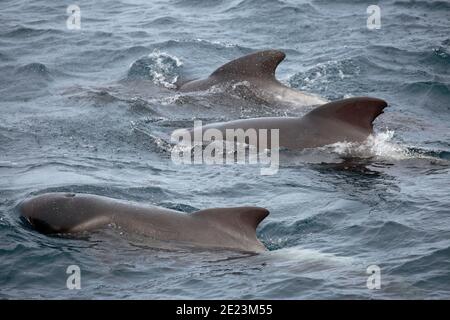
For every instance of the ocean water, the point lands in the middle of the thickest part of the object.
(91, 111)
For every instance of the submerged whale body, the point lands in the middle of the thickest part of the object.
(258, 70)
(349, 120)
(219, 228)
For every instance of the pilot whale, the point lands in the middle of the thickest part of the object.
(219, 228)
(258, 71)
(349, 120)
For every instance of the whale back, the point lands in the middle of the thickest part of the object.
(258, 67)
(58, 213)
(261, 65)
(358, 112)
(239, 224)
(349, 120)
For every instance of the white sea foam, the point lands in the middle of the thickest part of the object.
(225, 44)
(379, 145)
(163, 68)
(306, 258)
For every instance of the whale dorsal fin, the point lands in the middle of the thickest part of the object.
(359, 112)
(240, 217)
(261, 64)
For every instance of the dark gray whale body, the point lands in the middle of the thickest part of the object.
(220, 228)
(348, 120)
(258, 71)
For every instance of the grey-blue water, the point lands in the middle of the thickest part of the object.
(90, 111)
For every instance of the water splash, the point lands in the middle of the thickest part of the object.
(326, 78)
(324, 73)
(379, 145)
(160, 67)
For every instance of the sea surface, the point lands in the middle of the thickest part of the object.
(92, 110)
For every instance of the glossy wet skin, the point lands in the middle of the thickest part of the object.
(257, 70)
(232, 228)
(338, 121)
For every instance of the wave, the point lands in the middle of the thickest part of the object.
(424, 4)
(26, 32)
(5, 57)
(431, 95)
(432, 265)
(386, 234)
(203, 46)
(25, 82)
(154, 141)
(165, 21)
(214, 43)
(275, 7)
(283, 234)
(200, 3)
(159, 67)
(34, 69)
(326, 78)
(440, 56)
